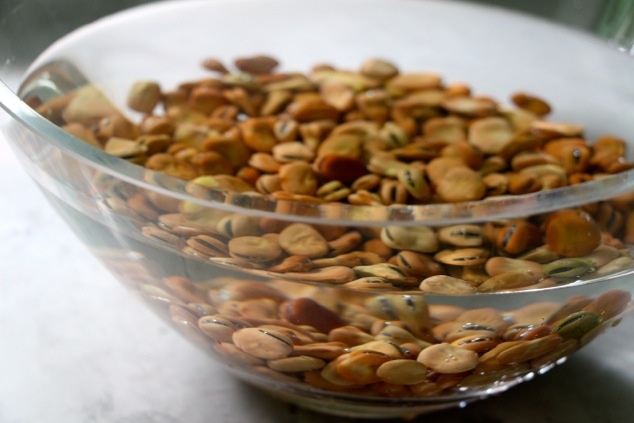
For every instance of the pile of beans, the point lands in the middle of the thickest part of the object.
(359, 320)
(390, 345)
(375, 136)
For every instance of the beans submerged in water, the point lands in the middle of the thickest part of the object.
(347, 341)
(310, 145)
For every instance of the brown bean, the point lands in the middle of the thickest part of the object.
(531, 103)
(255, 248)
(447, 358)
(298, 178)
(260, 343)
(302, 239)
(305, 311)
(570, 234)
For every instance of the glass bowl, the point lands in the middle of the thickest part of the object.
(314, 281)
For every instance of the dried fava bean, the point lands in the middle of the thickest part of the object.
(396, 334)
(346, 260)
(568, 267)
(539, 255)
(460, 184)
(535, 313)
(257, 134)
(220, 328)
(293, 151)
(438, 167)
(469, 106)
(349, 335)
(295, 263)
(419, 238)
(528, 350)
(370, 284)
(573, 153)
(378, 69)
(237, 225)
(323, 350)
(392, 192)
(144, 96)
(360, 367)
(510, 280)
(302, 239)
(478, 343)
(393, 135)
(268, 184)
(382, 164)
(523, 183)
(531, 103)
(340, 168)
(447, 285)
(161, 236)
(301, 363)
(572, 305)
(576, 324)
(208, 246)
(338, 95)
(461, 235)
(408, 82)
(259, 309)
(345, 243)
(305, 311)
(168, 164)
(88, 105)
(256, 65)
(463, 256)
(499, 264)
(331, 376)
(255, 248)
(367, 182)
(610, 303)
(482, 318)
(298, 335)
(247, 290)
(214, 65)
(475, 275)
(419, 150)
(402, 372)
(570, 233)
(412, 310)
(490, 135)
(330, 274)
(265, 344)
(518, 237)
(449, 129)
(418, 264)
(382, 270)
(550, 130)
(333, 191)
(413, 179)
(124, 148)
(447, 358)
(298, 178)
(386, 348)
(615, 266)
(311, 109)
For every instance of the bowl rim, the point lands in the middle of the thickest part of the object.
(487, 209)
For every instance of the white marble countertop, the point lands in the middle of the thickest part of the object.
(75, 347)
